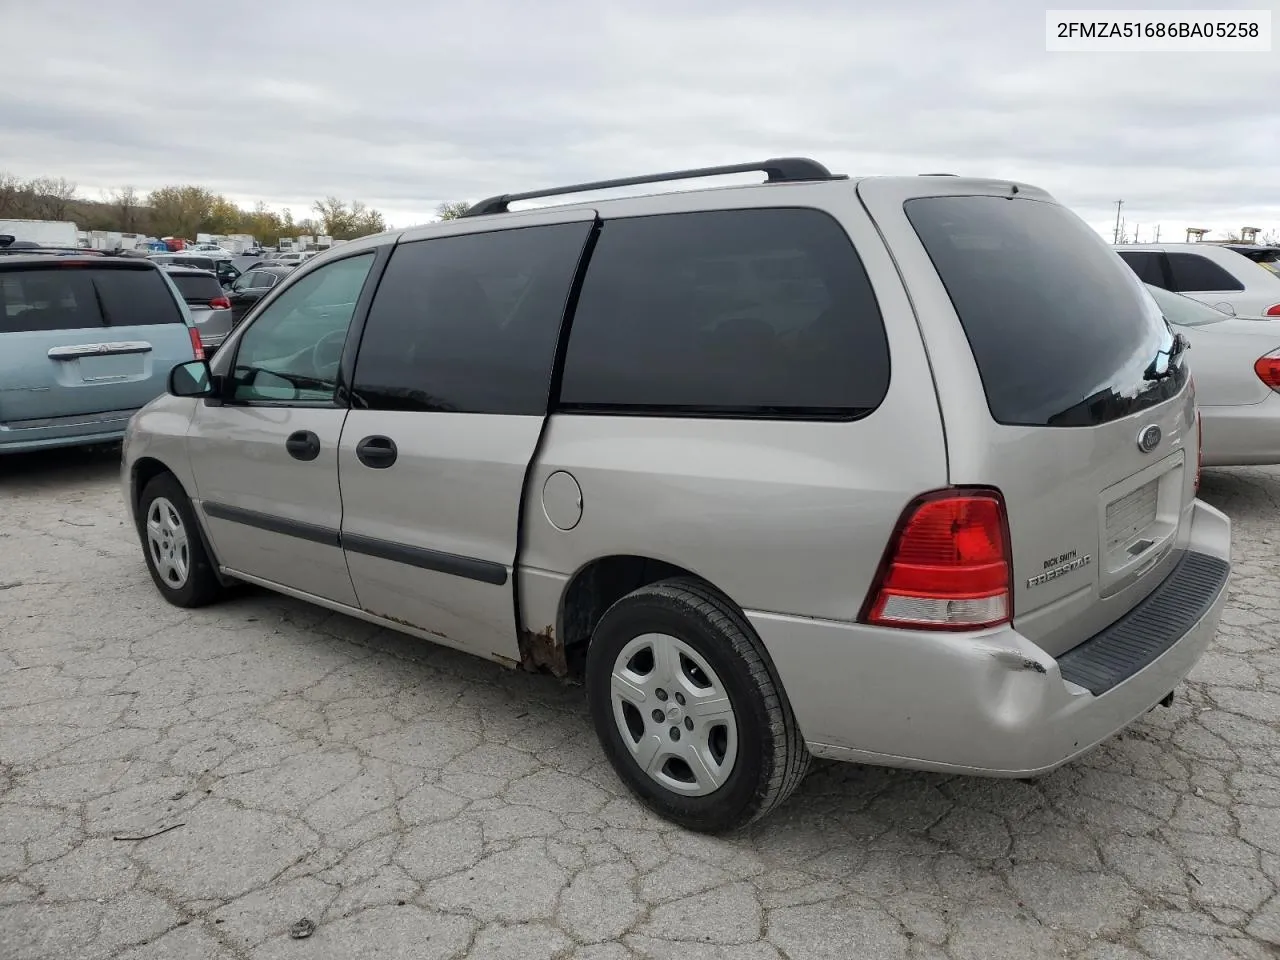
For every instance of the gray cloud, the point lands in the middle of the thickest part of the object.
(406, 105)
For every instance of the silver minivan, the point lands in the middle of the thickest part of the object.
(207, 303)
(890, 470)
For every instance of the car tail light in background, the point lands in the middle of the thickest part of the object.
(196, 345)
(1272, 311)
(220, 303)
(1268, 370)
(948, 566)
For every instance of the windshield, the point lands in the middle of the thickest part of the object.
(1184, 311)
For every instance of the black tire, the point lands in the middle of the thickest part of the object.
(201, 586)
(771, 755)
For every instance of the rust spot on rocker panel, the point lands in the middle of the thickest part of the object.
(539, 650)
(408, 623)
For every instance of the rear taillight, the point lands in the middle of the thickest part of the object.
(1268, 370)
(948, 566)
(220, 303)
(196, 345)
(1272, 311)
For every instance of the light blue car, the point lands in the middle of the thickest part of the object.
(84, 342)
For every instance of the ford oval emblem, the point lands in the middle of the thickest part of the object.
(1149, 438)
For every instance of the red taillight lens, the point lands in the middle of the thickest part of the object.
(1273, 310)
(1268, 370)
(220, 303)
(196, 345)
(948, 567)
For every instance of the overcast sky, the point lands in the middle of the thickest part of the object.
(404, 105)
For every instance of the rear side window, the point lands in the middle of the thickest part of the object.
(1193, 273)
(83, 298)
(1062, 333)
(764, 312)
(197, 289)
(1147, 265)
(469, 324)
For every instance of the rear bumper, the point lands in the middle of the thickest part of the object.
(82, 430)
(992, 704)
(1242, 435)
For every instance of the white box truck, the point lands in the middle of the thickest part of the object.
(47, 233)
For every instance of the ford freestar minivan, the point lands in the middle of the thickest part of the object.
(893, 470)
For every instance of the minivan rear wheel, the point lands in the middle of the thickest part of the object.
(172, 545)
(688, 710)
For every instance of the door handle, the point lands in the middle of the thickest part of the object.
(376, 452)
(303, 445)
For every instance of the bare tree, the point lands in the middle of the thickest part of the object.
(52, 197)
(452, 210)
(125, 203)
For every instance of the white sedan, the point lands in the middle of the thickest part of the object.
(1236, 366)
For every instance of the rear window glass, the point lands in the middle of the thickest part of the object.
(1062, 333)
(761, 313)
(82, 298)
(196, 289)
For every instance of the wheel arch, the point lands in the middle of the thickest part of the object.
(142, 472)
(589, 592)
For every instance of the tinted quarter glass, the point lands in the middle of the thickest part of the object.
(763, 312)
(469, 323)
(1147, 265)
(1193, 273)
(197, 289)
(1062, 333)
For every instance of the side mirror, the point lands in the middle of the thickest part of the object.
(191, 379)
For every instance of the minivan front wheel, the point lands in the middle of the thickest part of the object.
(171, 542)
(688, 710)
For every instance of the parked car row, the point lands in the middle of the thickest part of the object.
(1241, 280)
(896, 470)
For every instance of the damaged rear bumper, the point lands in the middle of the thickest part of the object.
(994, 703)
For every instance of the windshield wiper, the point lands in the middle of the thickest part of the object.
(1179, 346)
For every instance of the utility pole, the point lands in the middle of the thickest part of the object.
(1116, 238)
(1157, 239)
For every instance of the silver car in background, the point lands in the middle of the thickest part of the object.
(1236, 365)
(894, 470)
(208, 304)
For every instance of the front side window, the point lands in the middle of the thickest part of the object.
(758, 313)
(291, 351)
(469, 323)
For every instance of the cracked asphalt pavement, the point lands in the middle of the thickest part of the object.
(413, 802)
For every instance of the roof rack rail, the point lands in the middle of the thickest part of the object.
(779, 170)
(938, 174)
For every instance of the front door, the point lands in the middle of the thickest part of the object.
(449, 396)
(265, 453)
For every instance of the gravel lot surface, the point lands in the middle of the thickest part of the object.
(414, 803)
